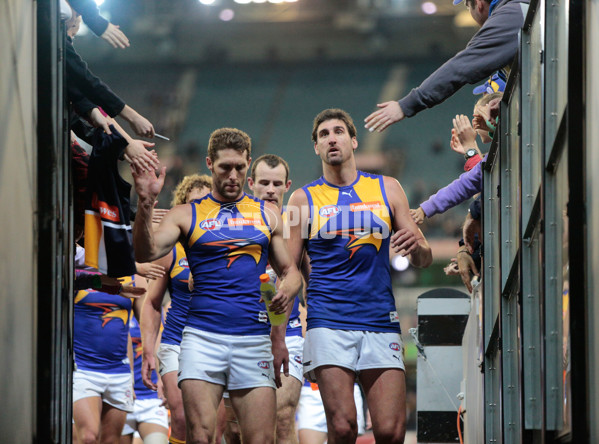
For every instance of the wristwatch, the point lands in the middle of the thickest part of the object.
(470, 153)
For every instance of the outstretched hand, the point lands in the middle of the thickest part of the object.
(147, 185)
(418, 215)
(142, 126)
(387, 114)
(150, 270)
(464, 131)
(455, 144)
(99, 120)
(136, 153)
(115, 37)
(466, 266)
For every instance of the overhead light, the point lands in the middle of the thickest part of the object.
(99, 2)
(243, 2)
(429, 8)
(207, 2)
(226, 15)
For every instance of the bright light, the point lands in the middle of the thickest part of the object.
(226, 15)
(400, 263)
(207, 2)
(83, 29)
(245, 2)
(99, 2)
(429, 8)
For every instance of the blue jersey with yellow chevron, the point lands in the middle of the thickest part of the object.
(227, 250)
(101, 329)
(348, 245)
(180, 294)
(141, 391)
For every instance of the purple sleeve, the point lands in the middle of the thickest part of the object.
(464, 187)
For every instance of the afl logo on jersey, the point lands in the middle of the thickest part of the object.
(183, 263)
(395, 346)
(329, 211)
(264, 365)
(210, 224)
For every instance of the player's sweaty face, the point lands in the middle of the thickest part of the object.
(269, 183)
(333, 143)
(228, 172)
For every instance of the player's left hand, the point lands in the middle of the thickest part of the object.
(387, 114)
(280, 357)
(405, 241)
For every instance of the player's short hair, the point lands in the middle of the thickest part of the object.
(333, 113)
(273, 161)
(187, 184)
(232, 138)
(488, 97)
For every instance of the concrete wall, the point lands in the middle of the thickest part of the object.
(17, 219)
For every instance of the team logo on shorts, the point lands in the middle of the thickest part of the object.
(395, 346)
(128, 394)
(264, 365)
(329, 211)
(160, 412)
(211, 224)
(297, 359)
(183, 263)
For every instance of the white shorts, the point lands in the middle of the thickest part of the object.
(114, 389)
(353, 349)
(310, 411)
(168, 358)
(235, 362)
(146, 411)
(295, 346)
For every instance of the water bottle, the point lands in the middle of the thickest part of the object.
(268, 291)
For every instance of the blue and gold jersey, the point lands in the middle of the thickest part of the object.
(141, 391)
(227, 249)
(101, 329)
(348, 245)
(180, 294)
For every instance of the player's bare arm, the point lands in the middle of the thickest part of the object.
(151, 316)
(282, 263)
(298, 213)
(407, 240)
(148, 244)
(137, 303)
